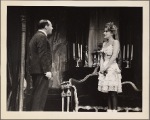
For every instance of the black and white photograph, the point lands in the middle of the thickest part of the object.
(71, 59)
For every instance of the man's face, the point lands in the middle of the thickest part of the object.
(49, 28)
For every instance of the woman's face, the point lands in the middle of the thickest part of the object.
(107, 34)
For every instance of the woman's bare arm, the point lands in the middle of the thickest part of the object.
(116, 47)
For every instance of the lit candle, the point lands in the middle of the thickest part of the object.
(78, 50)
(81, 52)
(128, 51)
(73, 50)
(124, 52)
(132, 53)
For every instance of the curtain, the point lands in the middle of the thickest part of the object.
(98, 18)
(13, 58)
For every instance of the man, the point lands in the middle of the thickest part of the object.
(40, 64)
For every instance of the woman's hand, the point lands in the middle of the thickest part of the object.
(102, 69)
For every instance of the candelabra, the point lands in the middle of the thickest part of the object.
(95, 61)
(96, 57)
(129, 50)
(77, 52)
(79, 62)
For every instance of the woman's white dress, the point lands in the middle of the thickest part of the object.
(112, 80)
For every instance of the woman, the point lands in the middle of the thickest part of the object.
(110, 74)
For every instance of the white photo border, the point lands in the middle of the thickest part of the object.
(72, 115)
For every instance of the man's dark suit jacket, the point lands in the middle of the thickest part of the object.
(40, 54)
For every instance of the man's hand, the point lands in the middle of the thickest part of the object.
(48, 75)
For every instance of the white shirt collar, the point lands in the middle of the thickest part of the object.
(43, 32)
